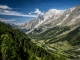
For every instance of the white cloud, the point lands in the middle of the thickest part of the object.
(4, 7)
(5, 10)
(7, 20)
(14, 13)
(29, 13)
(37, 11)
(19, 24)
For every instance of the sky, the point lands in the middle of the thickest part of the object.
(22, 11)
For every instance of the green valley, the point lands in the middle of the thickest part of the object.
(60, 39)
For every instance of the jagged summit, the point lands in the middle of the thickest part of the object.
(42, 18)
(53, 12)
(54, 17)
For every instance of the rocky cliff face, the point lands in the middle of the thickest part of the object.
(54, 17)
(58, 21)
(52, 13)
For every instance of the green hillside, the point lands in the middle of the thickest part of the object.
(60, 39)
(16, 45)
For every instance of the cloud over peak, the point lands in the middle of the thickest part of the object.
(37, 11)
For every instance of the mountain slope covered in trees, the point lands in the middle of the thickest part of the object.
(16, 45)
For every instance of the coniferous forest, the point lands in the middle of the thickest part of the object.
(16, 45)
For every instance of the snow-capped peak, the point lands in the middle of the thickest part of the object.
(53, 12)
(73, 8)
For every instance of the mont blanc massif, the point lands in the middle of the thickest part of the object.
(54, 35)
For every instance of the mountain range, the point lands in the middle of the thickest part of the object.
(60, 32)
(69, 17)
(57, 31)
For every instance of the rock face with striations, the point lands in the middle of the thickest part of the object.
(52, 13)
(56, 20)
(54, 17)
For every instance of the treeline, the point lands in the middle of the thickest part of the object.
(16, 45)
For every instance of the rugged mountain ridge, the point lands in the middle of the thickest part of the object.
(54, 18)
(62, 34)
(31, 25)
(51, 22)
